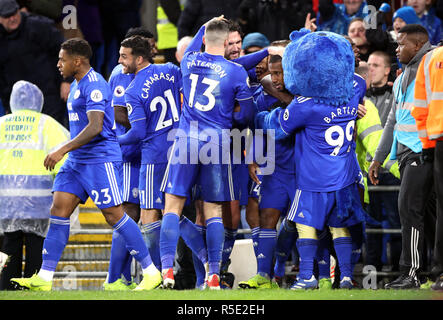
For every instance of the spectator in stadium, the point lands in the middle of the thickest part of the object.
(25, 185)
(276, 19)
(181, 47)
(336, 17)
(383, 205)
(357, 32)
(403, 16)
(428, 19)
(197, 12)
(427, 112)
(254, 42)
(400, 139)
(117, 17)
(19, 57)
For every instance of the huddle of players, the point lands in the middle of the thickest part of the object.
(159, 136)
(152, 99)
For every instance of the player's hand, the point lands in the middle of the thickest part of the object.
(52, 159)
(253, 170)
(361, 112)
(222, 17)
(276, 51)
(373, 170)
(309, 23)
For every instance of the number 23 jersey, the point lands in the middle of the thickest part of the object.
(324, 150)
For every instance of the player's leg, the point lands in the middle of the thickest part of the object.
(266, 246)
(323, 259)
(341, 238)
(121, 260)
(215, 235)
(253, 220)
(56, 239)
(307, 244)
(286, 238)
(200, 270)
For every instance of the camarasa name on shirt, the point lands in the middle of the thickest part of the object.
(339, 112)
(152, 79)
(214, 66)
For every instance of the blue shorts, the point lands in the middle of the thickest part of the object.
(240, 175)
(277, 191)
(319, 209)
(151, 178)
(131, 177)
(99, 181)
(214, 180)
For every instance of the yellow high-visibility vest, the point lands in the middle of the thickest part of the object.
(167, 32)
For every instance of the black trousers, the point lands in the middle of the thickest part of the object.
(415, 191)
(438, 182)
(13, 246)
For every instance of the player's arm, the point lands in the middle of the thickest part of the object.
(283, 96)
(92, 129)
(137, 120)
(245, 109)
(284, 122)
(196, 42)
(121, 116)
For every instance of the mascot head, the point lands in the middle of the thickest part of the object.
(319, 65)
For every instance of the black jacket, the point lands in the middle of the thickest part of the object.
(30, 53)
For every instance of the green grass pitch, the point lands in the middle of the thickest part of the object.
(238, 294)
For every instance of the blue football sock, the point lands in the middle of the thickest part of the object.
(215, 235)
(127, 267)
(357, 235)
(343, 249)
(151, 235)
(199, 268)
(230, 235)
(323, 256)
(132, 235)
(255, 233)
(307, 249)
(193, 239)
(286, 238)
(119, 256)
(266, 247)
(55, 242)
(169, 235)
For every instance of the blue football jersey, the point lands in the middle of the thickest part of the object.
(324, 152)
(284, 148)
(154, 95)
(92, 93)
(211, 87)
(119, 81)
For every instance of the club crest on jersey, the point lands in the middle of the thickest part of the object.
(286, 115)
(76, 94)
(96, 95)
(119, 91)
(129, 107)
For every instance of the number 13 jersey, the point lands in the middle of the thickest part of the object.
(211, 87)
